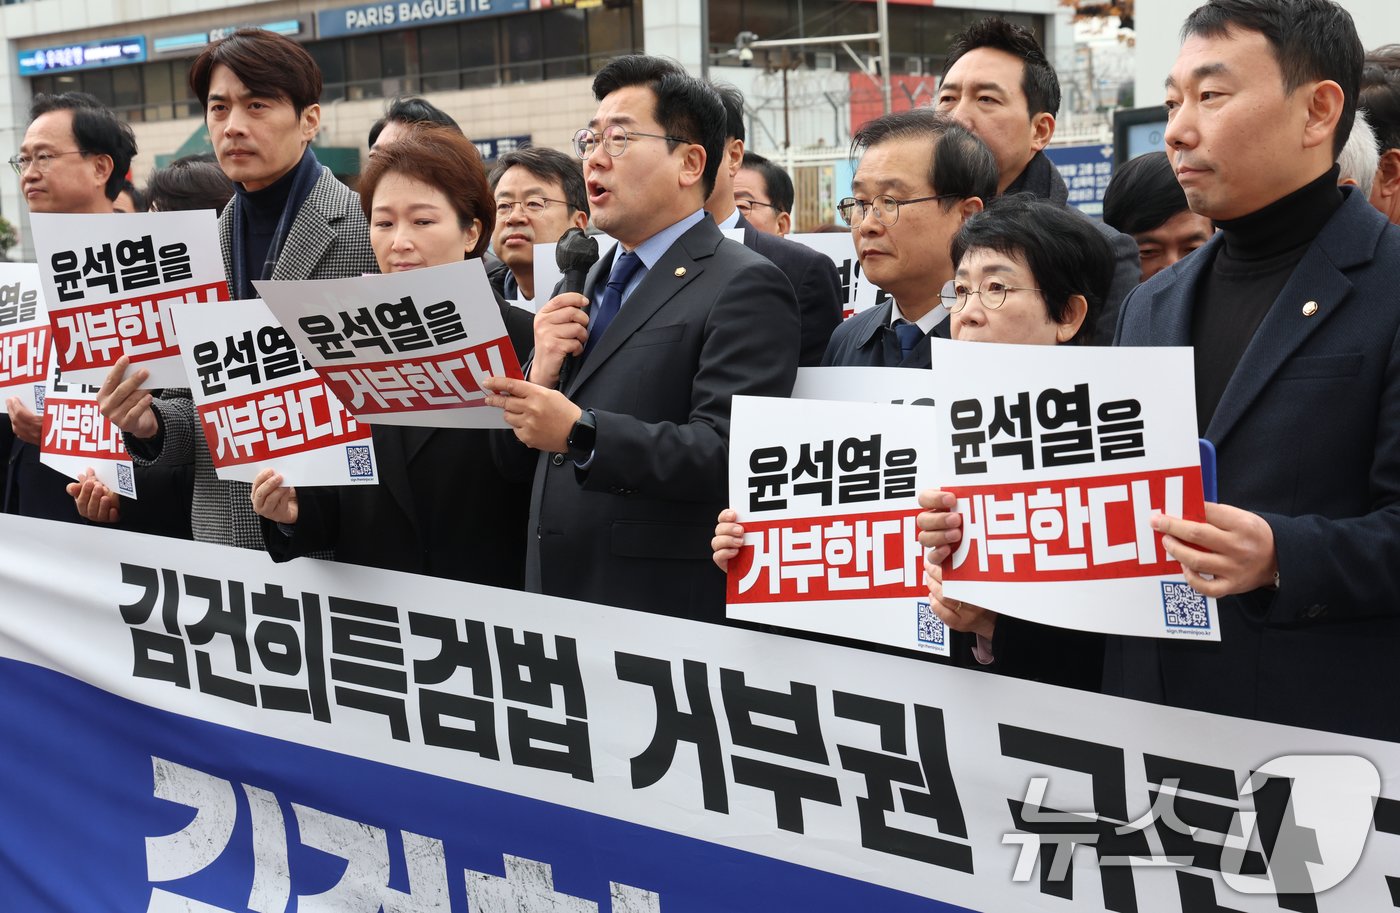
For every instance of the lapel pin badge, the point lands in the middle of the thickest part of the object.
(1310, 309)
(680, 271)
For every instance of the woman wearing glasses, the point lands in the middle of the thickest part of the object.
(1030, 273)
(441, 508)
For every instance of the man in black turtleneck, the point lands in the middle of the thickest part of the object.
(289, 219)
(1292, 312)
(997, 83)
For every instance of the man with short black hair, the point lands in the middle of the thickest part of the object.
(289, 219)
(402, 113)
(539, 195)
(812, 274)
(1145, 201)
(997, 83)
(631, 439)
(73, 159)
(764, 194)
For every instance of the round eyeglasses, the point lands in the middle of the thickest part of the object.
(613, 139)
(955, 294)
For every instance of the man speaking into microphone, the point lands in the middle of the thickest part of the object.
(632, 452)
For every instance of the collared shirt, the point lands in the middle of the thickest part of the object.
(650, 251)
(654, 248)
(732, 221)
(925, 323)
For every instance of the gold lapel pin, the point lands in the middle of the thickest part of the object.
(1310, 309)
(680, 271)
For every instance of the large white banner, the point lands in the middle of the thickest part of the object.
(208, 731)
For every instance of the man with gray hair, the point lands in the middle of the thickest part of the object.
(1360, 157)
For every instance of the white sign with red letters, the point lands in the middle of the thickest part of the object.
(409, 348)
(77, 437)
(109, 281)
(261, 405)
(827, 495)
(25, 337)
(1059, 457)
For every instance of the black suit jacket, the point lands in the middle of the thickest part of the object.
(815, 282)
(441, 507)
(1307, 436)
(712, 319)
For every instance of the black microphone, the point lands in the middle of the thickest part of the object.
(575, 255)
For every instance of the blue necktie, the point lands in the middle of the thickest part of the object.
(623, 269)
(909, 335)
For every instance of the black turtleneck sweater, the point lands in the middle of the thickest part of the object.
(262, 209)
(1257, 255)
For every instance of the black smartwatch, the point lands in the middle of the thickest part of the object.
(582, 437)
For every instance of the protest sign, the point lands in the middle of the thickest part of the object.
(25, 337)
(78, 437)
(858, 293)
(407, 348)
(915, 386)
(261, 405)
(1059, 456)
(110, 279)
(207, 731)
(827, 494)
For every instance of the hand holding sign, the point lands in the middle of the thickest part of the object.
(1231, 552)
(960, 616)
(95, 502)
(542, 417)
(273, 500)
(729, 538)
(125, 404)
(27, 426)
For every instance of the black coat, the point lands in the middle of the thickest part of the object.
(441, 507)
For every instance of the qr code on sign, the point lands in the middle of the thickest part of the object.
(125, 484)
(1184, 607)
(361, 463)
(932, 630)
(39, 390)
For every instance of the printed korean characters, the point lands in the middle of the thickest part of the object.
(1059, 456)
(25, 340)
(78, 437)
(404, 348)
(109, 281)
(260, 404)
(827, 495)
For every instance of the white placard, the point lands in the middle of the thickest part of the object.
(76, 436)
(407, 348)
(261, 405)
(859, 293)
(25, 338)
(1059, 456)
(110, 279)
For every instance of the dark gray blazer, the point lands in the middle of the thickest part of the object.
(712, 319)
(1308, 437)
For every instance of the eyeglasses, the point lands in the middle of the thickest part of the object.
(532, 206)
(955, 294)
(746, 206)
(886, 208)
(43, 161)
(614, 139)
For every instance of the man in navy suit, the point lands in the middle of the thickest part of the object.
(1291, 311)
(920, 176)
(631, 439)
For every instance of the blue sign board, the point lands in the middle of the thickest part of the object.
(1086, 170)
(89, 55)
(493, 147)
(191, 41)
(377, 17)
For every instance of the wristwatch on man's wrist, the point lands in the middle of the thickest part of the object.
(582, 437)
